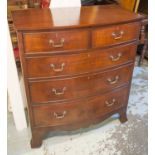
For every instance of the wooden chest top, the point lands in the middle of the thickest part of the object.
(88, 16)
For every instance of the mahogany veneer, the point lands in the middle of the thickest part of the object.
(71, 40)
(79, 86)
(79, 62)
(77, 65)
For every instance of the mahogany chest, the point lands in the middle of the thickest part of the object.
(77, 65)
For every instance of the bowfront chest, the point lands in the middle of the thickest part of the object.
(77, 65)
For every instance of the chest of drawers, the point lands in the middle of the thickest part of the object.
(77, 65)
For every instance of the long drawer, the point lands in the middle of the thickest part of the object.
(62, 65)
(88, 108)
(78, 87)
(56, 41)
(115, 34)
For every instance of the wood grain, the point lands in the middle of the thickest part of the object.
(87, 16)
(80, 110)
(40, 42)
(115, 34)
(79, 87)
(78, 63)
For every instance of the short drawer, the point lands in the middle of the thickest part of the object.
(82, 110)
(79, 87)
(115, 34)
(56, 41)
(66, 65)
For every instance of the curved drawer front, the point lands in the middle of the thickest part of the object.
(56, 41)
(62, 65)
(78, 87)
(90, 108)
(115, 34)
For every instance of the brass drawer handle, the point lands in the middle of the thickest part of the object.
(58, 69)
(60, 115)
(61, 44)
(59, 93)
(117, 35)
(116, 58)
(110, 104)
(113, 81)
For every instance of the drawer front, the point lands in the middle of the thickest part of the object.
(82, 110)
(115, 34)
(78, 87)
(56, 41)
(58, 65)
